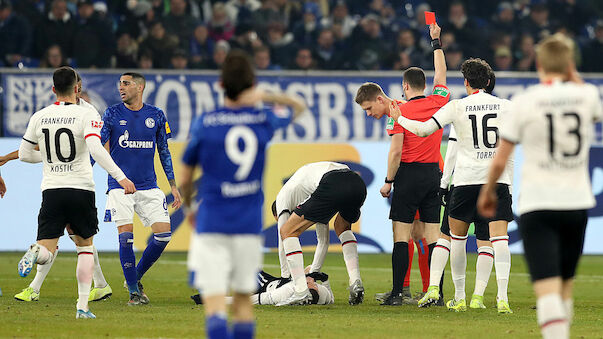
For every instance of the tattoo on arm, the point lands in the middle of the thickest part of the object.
(172, 182)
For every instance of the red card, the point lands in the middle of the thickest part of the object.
(430, 18)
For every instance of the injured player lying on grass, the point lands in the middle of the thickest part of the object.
(276, 291)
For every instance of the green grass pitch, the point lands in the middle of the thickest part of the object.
(172, 314)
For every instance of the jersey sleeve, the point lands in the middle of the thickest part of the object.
(93, 125)
(510, 128)
(30, 132)
(278, 118)
(191, 152)
(597, 108)
(440, 94)
(162, 135)
(393, 127)
(446, 114)
(107, 125)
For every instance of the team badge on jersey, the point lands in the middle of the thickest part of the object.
(390, 123)
(150, 122)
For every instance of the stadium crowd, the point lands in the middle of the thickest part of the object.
(291, 34)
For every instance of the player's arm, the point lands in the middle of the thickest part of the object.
(450, 160)
(393, 162)
(322, 246)
(166, 162)
(487, 200)
(103, 158)
(8, 157)
(27, 152)
(2, 187)
(441, 118)
(439, 61)
(295, 103)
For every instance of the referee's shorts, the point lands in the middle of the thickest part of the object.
(416, 188)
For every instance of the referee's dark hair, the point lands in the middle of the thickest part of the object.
(415, 78)
(237, 74)
(137, 77)
(477, 72)
(64, 80)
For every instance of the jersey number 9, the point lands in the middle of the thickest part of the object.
(244, 158)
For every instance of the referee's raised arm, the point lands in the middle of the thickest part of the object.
(439, 62)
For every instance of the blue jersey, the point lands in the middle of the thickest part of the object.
(229, 145)
(133, 136)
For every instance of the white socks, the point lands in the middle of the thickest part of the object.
(569, 309)
(97, 276)
(41, 273)
(349, 247)
(439, 257)
(44, 256)
(458, 264)
(483, 269)
(552, 317)
(322, 247)
(281, 251)
(295, 260)
(502, 263)
(83, 272)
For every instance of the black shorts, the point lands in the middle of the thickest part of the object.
(552, 242)
(62, 206)
(416, 188)
(463, 203)
(482, 229)
(339, 191)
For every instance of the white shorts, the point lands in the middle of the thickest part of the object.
(150, 205)
(223, 262)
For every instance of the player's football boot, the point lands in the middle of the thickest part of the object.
(356, 293)
(303, 298)
(431, 297)
(477, 301)
(28, 294)
(29, 260)
(134, 299)
(143, 297)
(457, 305)
(81, 314)
(393, 299)
(503, 307)
(97, 294)
(380, 297)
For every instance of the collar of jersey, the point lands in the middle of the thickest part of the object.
(62, 103)
(126, 107)
(479, 90)
(417, 97)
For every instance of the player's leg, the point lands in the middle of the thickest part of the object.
(458, 262)
(32, 292)
(500, 242)
(349, 246)
(290, 233)
(282, 219)
(401, 236)
(84, 272)
(418, 238)
(322, 247)
(151, 206)
(244, 271)
(483, 269)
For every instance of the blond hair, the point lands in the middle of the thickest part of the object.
(555, 54)
(368, 92)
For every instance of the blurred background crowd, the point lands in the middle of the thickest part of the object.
(290, 34)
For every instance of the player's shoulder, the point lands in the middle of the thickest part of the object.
(151, 109)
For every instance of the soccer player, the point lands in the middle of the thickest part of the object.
(413, 162)
(296, 191)
(67, 135)
(485, 258)
(133, 130)
(554, 122)
(275, 290)
(475, 119)
(229, 145)
(101, 289)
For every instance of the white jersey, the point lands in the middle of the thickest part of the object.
(476, 119)
(86, 104)
(302, 184)
(554, 123)
(275, 294)
(60, 131)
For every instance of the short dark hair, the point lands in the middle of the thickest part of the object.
(274, 208)
(64, 80)
(237, 74)
(137, 77)
(477, 72)
(315, 296)
(415, 78)
(368, 92)
(490, 88)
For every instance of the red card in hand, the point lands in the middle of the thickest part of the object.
(430, 18)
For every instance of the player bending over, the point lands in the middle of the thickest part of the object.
(67, 135)
(299, 188)
(554, 122)
(475, 119)
(229, 146)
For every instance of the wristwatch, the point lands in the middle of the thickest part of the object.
(388, 181)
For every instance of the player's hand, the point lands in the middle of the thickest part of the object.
(177, 198)
(574, 76)
(250, 97)
(434, 31)
(394, 111)
(487, 202)
(444, 196)
(2, 188)
(128, 186)
(385, 190)
(191, 217)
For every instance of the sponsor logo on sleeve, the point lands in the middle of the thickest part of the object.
(97, 124)
(390, 123)
(167, 128)
(441, 91)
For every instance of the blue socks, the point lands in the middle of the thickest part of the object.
(152, 252)
(243, 330)
(128, 260)
(216, 326)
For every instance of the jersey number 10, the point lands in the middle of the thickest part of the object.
(57, 144)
